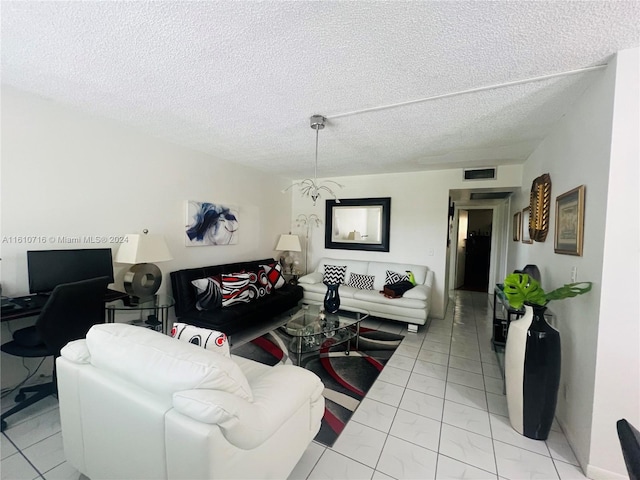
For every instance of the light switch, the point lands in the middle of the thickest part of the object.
(574, 274)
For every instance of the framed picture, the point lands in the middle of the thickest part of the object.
(209, 223)
(570, 222)
(517, 219)
(525, 238)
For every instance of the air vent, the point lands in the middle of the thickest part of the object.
(489, 195)
(479, 174)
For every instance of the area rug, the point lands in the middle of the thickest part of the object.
(346, 378)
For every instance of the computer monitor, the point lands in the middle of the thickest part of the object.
(48, 268)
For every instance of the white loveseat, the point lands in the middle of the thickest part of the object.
(412, 307)
(136, 404)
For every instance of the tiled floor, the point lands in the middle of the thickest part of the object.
(436, 412)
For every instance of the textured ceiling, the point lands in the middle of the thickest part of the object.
(239, 80)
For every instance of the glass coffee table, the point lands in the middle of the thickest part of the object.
(313, 329)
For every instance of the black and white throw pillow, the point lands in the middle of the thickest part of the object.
(334, 274)
(395, 277)
(208, 293)
(363, 282)
(203, 337)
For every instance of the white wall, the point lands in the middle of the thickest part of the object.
(578, 152)
(419, 209)
(617, 376)
(65, 173)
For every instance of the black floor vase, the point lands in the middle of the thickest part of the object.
(532, 373)
(332, 298)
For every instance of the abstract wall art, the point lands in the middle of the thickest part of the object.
(211, 224)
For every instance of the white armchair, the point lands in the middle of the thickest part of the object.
(138, 404)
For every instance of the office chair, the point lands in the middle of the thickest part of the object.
(71, 310)
(630, 442)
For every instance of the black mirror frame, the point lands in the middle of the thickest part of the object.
(383, 246)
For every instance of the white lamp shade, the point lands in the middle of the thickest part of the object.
(289, 242)
(143, 249)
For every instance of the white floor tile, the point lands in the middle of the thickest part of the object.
(407, 351)
(374, 414)
(517, 463)
(6, 447)
(568, 471)
(34, 429)
(381, 476)
(386, 393)
(497, 404)
(433, 357)
(468, 447)
(424, 384)
(422, 404)
(494, 385)
(333, 466)
(435, 347)
(468, 418)
(64, 471)
(401, 362)
(360, 443)
(404, 460)
(419, 430)
(468, 379)
(46, 454)
(395, 376)
(430, 369)
(16, 467)
(450, 469)
(465, 364)
(560, 448)
(491, 370)
(502, 430)
(309, 459)
(466, 395)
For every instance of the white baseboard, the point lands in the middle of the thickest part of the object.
(596, 473)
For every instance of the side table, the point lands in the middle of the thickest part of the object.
(152, 313)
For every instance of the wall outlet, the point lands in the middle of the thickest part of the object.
(574, 274)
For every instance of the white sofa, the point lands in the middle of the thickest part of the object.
(136, 404)
(412, 307)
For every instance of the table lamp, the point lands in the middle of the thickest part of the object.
(143, 279)
(287, 244)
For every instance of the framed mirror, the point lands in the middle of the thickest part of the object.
(358, 224)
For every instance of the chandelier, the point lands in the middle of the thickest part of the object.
(311, 188)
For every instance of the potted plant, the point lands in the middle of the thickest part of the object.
(532, 355)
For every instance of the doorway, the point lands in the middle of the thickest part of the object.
(474, 249)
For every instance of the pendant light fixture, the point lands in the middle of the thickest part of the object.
(311, 188)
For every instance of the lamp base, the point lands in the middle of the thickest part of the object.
(141, 282)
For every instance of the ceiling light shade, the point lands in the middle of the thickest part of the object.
(289, 243)
(143, 279)
(310, 187)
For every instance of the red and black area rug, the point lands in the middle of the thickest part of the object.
(346, 378)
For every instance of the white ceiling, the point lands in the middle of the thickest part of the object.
(239, 80)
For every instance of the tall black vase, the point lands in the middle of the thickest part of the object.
(332, 298)
(532, 373)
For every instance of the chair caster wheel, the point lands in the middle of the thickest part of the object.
(21, 397)
(3, 426)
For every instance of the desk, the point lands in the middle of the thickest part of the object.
(153, 313)
(31, 305)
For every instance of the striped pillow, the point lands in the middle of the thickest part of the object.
(363, 282)
(334, 274)
(236, 289)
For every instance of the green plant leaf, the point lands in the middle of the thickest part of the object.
(520, 288)
(569, 290)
